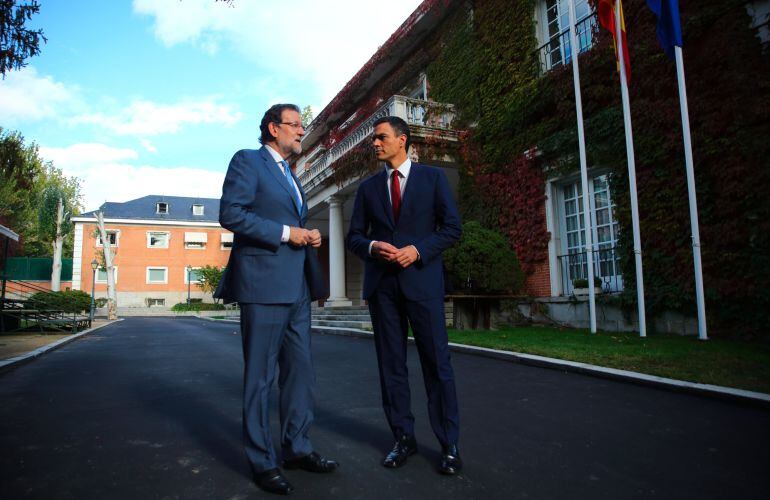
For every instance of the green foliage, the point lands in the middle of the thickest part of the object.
(25, 182)
(483, 261)
(307, 115)
(208, 278)
(17, 43)
(197, 306)
(71, 301)
(583, 283)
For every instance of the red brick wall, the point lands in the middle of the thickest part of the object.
(538, 283)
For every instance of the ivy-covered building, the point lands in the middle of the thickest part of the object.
(487, 89)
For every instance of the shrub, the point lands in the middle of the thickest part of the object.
(197, 306)
(583, 283)
(71, 301)
(483, 261)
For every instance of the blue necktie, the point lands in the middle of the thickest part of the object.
(287, 174)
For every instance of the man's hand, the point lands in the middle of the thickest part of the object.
(299, 237)
(406, 256)
(384, 251)
(314, 238)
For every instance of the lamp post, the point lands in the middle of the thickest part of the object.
(94, 266)
(189, 271)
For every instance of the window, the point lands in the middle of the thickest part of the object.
(195, 240)
(161, 208)
(553, 31)
(197, 209)
(157, 275)
(226, 241)
(158, 239)
(155, 302)
(194, 275)
(604, 234)
(101, 274)
(113, 236)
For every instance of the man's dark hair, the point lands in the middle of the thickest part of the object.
(400, 127)
(273, 115)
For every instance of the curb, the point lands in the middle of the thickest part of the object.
(715, 391)
(11, 363)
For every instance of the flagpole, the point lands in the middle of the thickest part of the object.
(699, 297)
(631, 174)
(583, 169)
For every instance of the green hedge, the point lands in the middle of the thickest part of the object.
(71, 301)
(197, 306)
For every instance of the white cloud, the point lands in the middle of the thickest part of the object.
(27, 96)
(326, 42)
(148, 118)
(107, 174)
(148, 146)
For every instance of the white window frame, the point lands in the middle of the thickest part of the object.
(562, 247)
(168, 238)
(147, 275)
(148, 299)
(194, 268)
(193, 245)
(201, 207)
(557, 42)
(116, 232)
(157, 208)
(104, 281)
(222, 242)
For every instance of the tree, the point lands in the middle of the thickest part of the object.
(17, 43)
(209, 277)
(307, 116)
(24, 178)
(112, 296)
(54, 218)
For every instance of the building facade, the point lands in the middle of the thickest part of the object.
(159, 242)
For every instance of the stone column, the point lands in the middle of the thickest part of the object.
(337, 296)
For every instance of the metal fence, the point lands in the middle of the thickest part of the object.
(558, 50)
(574, 266)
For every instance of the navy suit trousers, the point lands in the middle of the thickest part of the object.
(276, 339)
(391, 315)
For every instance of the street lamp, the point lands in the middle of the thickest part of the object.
(189, 271)
(94, 266)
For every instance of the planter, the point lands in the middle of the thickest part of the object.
(583, 292)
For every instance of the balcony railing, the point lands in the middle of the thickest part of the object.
(574, 266)
(426, 115)
(558, 50)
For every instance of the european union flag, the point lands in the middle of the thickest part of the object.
(669, 26)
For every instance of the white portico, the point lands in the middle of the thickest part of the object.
(330, 195)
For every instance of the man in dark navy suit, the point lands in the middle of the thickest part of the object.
(403, 219)
(263, 204)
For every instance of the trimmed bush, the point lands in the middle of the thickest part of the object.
(197, 306)
(483, 261)
(71, 301)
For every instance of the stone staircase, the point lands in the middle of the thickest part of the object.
(341, 317)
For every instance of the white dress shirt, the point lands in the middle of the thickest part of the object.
(278, 159)
(403, 171)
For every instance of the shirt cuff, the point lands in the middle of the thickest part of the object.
(371, 244)
(417, 251)
(285, 235)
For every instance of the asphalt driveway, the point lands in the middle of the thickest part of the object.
(150, 408)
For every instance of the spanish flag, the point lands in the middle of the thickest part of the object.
(607, 20)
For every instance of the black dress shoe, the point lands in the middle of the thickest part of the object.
(311, 463)
(273, 481)
(451, 463)
(404, 447)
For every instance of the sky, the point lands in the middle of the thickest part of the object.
(139, 97)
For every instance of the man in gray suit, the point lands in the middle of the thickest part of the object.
(263, 205)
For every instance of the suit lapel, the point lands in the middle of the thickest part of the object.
(381, 185)
(412, 186)
(273, 168)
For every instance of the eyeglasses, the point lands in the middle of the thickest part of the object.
(294, 125)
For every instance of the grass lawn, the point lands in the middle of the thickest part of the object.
(730, 363)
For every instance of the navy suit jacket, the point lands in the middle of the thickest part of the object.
(428, 220)
(256, 203)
